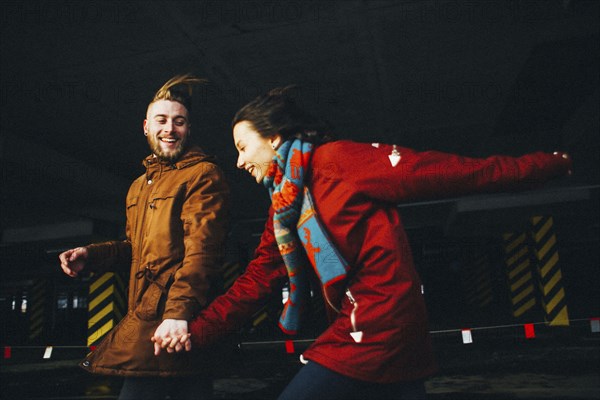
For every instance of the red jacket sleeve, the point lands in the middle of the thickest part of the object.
(432, 174)
(265, 274)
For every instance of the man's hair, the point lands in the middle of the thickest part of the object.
(276, 112)
(178, 88)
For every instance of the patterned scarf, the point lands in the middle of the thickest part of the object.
(299, 233)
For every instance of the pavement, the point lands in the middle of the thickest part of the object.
(491, 369)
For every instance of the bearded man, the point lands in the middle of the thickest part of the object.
(176, 226)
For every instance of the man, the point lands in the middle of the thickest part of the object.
(174, 236)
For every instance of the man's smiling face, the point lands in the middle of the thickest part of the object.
(167, 127)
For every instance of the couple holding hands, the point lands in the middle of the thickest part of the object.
(333, 224)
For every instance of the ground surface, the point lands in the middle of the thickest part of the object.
(498, 368)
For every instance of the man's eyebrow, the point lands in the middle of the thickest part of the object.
(166, 116)
(237, 144)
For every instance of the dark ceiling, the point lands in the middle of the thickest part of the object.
(476, 78)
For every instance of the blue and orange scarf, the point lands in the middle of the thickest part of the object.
(300, 236)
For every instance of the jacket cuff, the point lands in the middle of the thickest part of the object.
(204, 333)
(563, 162)
(179, 310)
(96, 253)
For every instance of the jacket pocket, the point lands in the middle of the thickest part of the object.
(163, 218)
(132, 202)
(154, 298)
(167, 198)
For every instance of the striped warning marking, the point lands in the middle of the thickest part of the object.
(106, 305)
(478, 281)
(36, 309)
(259, 317)
(231, 271)
(520, 274)
(550, 274)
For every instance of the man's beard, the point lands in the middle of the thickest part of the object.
(171, 156)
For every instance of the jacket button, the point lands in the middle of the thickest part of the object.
(149, 181)
(86, 363)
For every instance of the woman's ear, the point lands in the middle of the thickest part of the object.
(276, 141)
(145, 127)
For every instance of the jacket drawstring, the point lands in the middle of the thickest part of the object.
(147, 274)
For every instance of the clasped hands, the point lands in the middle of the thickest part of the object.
(172, 335)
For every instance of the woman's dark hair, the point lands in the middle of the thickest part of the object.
(277, 113)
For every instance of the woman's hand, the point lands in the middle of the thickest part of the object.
(565, 156)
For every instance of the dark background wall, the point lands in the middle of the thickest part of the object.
(476, 78)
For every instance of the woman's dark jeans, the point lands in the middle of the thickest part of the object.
(314, 381)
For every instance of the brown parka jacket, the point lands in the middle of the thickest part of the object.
(176, 226)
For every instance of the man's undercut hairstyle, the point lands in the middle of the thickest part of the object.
(278, 113)
(179, 89)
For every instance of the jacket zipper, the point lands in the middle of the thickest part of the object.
(326, 297)
(356, 334)
(142, 236)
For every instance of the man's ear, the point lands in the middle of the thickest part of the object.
(145, 127)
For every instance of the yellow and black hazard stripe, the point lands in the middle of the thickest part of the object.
(520, 274)
(259, 317)
(479, 291)
(550, 275)
(37, 309)
(106, 305)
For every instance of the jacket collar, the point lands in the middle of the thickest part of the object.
(192, 156)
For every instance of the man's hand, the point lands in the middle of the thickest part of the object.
(172, 335)
(73, 261)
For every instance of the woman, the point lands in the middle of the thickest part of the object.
(334, 214)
